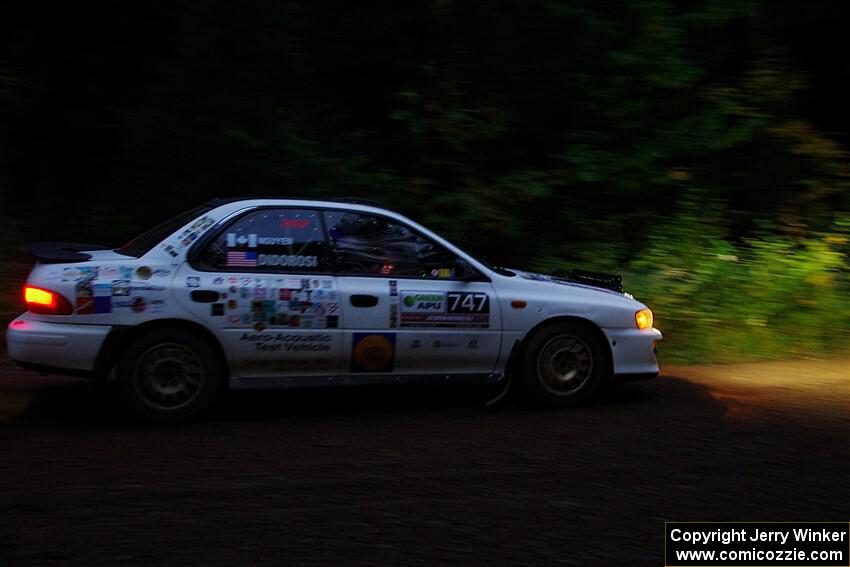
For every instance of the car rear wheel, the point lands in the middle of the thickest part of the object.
(168, 376)
(563, 365)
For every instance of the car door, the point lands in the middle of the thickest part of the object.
(404, 311)
(264, 284)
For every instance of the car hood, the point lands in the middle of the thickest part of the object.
(544, 278)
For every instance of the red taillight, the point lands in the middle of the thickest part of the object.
(45, 302)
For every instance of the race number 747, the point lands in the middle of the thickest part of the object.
(460, 302)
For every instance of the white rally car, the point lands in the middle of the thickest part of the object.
(257, 293)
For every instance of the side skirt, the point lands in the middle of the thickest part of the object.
(635, 377)
(249, 383)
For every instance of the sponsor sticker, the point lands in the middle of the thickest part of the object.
(139, 304)
(120, 287)
(423, 302)
(393, 316)
(444, 309)
(202, 224)
(77, 274)
(102, 298)
(298, 224)
(372, 352)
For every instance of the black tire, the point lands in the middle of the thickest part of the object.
(168, 376)
(563, 365)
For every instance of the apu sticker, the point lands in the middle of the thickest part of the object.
(449, 309)
(423, 302)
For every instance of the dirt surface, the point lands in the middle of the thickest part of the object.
(413, 476)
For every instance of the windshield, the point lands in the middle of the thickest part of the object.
(492, 265)
(140, 245)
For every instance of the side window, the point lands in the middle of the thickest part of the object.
(370, 245)
(270, 240)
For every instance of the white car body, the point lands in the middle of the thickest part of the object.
(410, 328)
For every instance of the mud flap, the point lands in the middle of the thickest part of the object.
(496, 401)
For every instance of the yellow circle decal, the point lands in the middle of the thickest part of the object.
(373, 353)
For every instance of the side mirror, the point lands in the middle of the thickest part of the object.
(464, 270)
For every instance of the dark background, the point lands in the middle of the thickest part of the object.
(699, 148)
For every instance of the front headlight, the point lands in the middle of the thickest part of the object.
(643, 319)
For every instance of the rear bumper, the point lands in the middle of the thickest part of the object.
(55, 347)
(633, 351)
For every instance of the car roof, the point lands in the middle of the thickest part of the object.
(333, 201)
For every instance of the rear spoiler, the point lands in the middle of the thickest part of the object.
(62, 252)
(593, 279)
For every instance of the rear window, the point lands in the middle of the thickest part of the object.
(140, 245)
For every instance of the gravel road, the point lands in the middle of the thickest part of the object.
(419, 476)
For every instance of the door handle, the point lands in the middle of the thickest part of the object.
(363, 300)
(204, 296)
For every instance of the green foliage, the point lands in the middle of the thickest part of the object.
(768, 296)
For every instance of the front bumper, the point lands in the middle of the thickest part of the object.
(58, 346)
(633, 350)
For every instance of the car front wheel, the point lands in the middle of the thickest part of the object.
(563, 365)
(168, 376)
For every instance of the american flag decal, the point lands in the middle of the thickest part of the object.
(242, 259)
